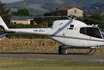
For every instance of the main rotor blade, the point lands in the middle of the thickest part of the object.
(95, 20)
(50, 16)
(71, 16)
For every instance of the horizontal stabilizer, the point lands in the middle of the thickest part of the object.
(2, 35)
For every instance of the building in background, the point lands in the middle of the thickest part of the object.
(22, 20)
(65, 12)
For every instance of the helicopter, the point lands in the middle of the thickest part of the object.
(72, 34)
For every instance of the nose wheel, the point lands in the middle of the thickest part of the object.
(62, 50)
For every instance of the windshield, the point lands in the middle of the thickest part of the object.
(102, 31)
(91, 31)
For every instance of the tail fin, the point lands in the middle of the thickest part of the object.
(2, 23)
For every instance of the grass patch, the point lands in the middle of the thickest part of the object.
(27, 64)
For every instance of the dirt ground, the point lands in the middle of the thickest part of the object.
(21, 44)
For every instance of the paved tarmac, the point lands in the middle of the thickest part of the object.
(99, 57)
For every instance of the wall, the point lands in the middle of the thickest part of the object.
(75, 11)
(20, 22)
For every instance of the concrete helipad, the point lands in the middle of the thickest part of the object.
(99, 57)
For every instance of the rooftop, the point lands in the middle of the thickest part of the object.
(66, 8)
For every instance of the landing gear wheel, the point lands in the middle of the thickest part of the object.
(62, 50)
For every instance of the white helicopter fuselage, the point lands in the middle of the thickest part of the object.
(66, 32)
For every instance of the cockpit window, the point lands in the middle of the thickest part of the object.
(83, 30)
(91, 31)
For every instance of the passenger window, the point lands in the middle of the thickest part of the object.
(71, 25)
(94, 32)
(71, 28)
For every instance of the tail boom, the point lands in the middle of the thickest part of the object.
(2, 23)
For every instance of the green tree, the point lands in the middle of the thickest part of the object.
(5, 13)
(23, 12)
(97, 16)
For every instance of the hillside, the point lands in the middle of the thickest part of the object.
(97, 7)
(41, 6)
